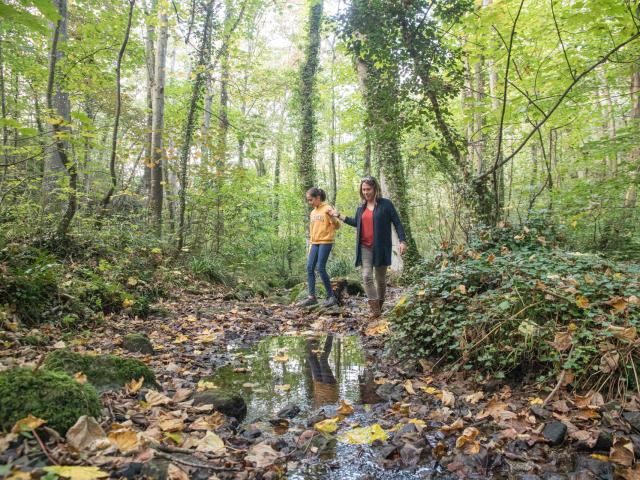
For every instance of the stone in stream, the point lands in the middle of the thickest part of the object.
(554, 432)
(604, 442)
(136, 342)
(224, 402)
(390, 392)
(290, 411)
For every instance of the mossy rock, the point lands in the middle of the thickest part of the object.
(136, 342)
(102, 371)
(52, 396)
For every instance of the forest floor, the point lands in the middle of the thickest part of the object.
(322, 402)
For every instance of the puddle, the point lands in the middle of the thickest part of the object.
(307, 371)
(319, 371)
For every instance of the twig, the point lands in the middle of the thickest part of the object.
(555, 389)
(43, 448)
(173, 458)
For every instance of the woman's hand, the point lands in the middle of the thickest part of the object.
(403, 248)
(333, 212)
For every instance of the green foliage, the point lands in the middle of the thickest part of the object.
(52, 396)
(497, 305)
(102, 371)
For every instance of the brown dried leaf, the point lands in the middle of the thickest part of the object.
(28, 423)
(134, 386)
(155, 399)
(345, 408)
(176, 473)
(628, 334)
(562, 341)
(493, 409)
(85, 432)
(474, 398)
(408, 386)
(609, 362)
(622, 452)
(125, 440)
(457, 425)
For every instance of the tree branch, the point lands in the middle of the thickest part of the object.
(557, 104)
(564, 51)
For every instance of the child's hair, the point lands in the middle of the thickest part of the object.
(317, 192)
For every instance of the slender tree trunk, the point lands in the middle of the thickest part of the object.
(158, 121)
(611, 164)
(631, 197)
(367, 153)
(116, 122)
(333, 178)
(62, 108)
(478, 119)
(204, 56)
(3, 104)
(307, 138)
(150, 61)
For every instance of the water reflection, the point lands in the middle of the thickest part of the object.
(320, 370)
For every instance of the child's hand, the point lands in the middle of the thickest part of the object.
(332, 212)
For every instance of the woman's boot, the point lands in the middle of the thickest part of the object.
(374, 307)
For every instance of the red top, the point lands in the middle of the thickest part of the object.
(366, 235)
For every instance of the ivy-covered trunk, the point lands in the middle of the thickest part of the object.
(307, 93)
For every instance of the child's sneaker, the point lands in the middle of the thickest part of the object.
(308, 302)
(330, 302)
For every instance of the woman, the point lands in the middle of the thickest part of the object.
(373, 221)
(322, 228)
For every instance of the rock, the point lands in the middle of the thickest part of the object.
(311, 421)
(52, 396)
(601, 470)
(555, 432)
(155, 468)
(390, 392)
(604, 442)
(633, 418)
(252, 433)
(224, 402)
(129, 471)
(136, 342)
(540, 412)
(290, 411)
(103, 371)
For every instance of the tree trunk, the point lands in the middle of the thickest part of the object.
(631, 197)
(116, 123)
(204, 55)
(3, 104)
(158, 121)
(62, 108)
(333, 178)
(150, 62)
(307, 138)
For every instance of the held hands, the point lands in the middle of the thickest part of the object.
(333, 212)
(403, 248)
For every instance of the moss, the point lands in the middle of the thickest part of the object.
(52, 396)
(136, 342)
(103, 371)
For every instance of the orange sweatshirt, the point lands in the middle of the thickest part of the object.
(322, 226)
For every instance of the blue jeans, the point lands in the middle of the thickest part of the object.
(318, 255)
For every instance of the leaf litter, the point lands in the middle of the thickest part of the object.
(468, 425)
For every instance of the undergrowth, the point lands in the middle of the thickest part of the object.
(513, 301)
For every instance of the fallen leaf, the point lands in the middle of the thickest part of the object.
(582, 301)
(134, 386)
(205, 385)
(210, 422)
(609, 362)
(85, 432)
(262, 455)
(474, 398)
(493, 409)
(169, 424)
(429, 390)
(622, 452)
(619, 304)
(181, 338)
(327, 426)
(281, 358)
(623, 333)
(363, 435)
(211, 443)
(77, 473)
(28, 423)
(176, 473)
(447, 398)
(182, 394)
(283, 388)
(408, 386)
(380, 327)
(156, 399)
(80, 377)
(457, 425)
(562, 341)
(125, 440)
(467, 441)
(345, 408)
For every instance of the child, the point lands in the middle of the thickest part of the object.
(322, 228)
